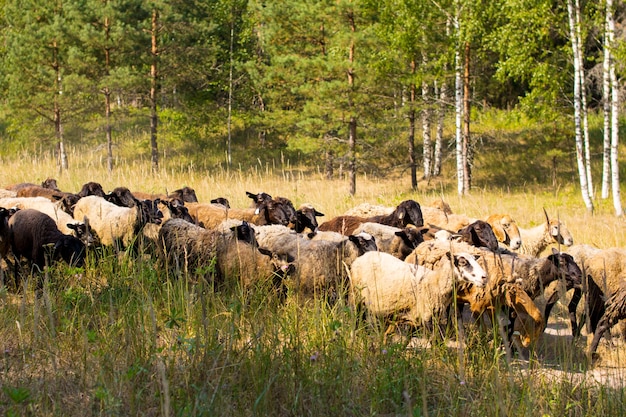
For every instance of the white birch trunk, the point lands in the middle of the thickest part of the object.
(441, 112)
(577, 111)
(606, 107)
(583, 99)
(617, 203)
(426, 121)
(458, 108)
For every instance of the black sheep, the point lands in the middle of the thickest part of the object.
(34, 233)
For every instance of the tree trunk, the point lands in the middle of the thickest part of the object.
(58, 125)
(107, 95)
(353, 122)
(426, 120)
(583, 100)
(441, 112)
(606, 106)
(329, 164)
(577, 108)
(153, 92)
(230, 91)
(617, 202)
(412, 161)
(458, 108)
(467, 145)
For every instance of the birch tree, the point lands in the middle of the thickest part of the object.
(614, 87)
(572, 13)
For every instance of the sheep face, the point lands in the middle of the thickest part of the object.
(467, 269)
(410, 212)
(364, 242)
(568, 268)
(506, 230)
(306, 217)
(221, 200)
(259, 198)
(149, 211)
(51, 184)
(71, 250)
(187, 194)
(121, 196)
(411, 236)
(560, 233)
(245, 232)
(91, 188)
(480, 234)
(272, 212)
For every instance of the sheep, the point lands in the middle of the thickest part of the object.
(65, 222)
(387, 286)
(114, 225)
(5, 235)
(185, 194)
(231, 246)
(223, 201)
(393, 240)
(407, 212)
(210, 215)
(306, 217)
(7, 193)
(536, 239)
(369, 210)
(319, 265)
(479, 233)
(91, 188)
(171, 209)
(606, 282)
(501, 290)
(439, 218)
(506, 230)
(68, 199)
(122, 197)
(49, 183)
(32, 232)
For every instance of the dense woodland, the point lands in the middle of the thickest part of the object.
(360, 85)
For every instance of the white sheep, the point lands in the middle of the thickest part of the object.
(535, 240)
(114, 225)
(386, 285)
(501, 290)
(7, 193)
(320, 266)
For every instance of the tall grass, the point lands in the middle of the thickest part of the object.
(126, 336)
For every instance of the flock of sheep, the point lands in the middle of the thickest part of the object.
(409, 264)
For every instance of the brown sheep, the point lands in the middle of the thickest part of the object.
(406, 213)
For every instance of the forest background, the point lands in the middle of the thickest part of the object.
(377, 87)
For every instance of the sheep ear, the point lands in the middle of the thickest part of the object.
(73, 226)
(250, 195)
(499, 232)
(317, 213)
(554, 251)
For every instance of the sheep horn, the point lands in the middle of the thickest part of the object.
(546, 213)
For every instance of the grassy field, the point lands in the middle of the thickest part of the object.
(122, 337)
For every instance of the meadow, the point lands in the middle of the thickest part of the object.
(124, 337)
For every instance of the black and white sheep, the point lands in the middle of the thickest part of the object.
(114, 225)
(231, 247)
(393, 240)
(320, 266)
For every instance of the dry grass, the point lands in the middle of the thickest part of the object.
(123, 338)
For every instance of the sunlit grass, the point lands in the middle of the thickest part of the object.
(125, 336)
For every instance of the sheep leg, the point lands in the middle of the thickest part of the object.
(604, 325)
(571, 308)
